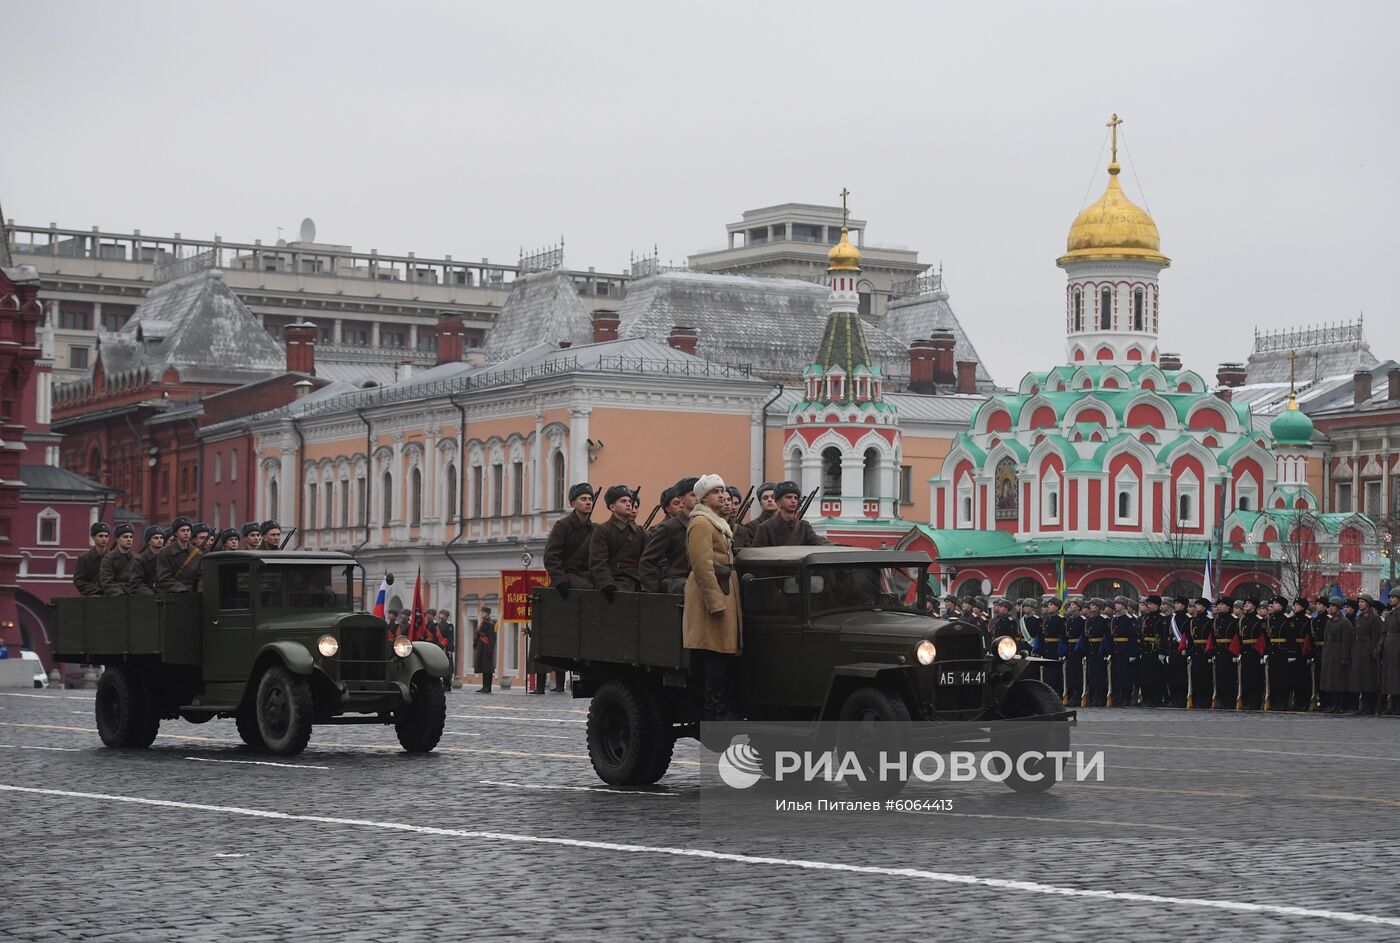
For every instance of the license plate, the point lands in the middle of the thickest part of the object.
(962, 677)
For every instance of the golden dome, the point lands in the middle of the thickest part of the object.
(1113, 228)
(843, 256)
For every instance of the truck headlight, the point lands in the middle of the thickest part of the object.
(926, 652)
(402, 646)
(1006, 648)
(328, 645)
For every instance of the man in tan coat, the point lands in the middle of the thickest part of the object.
(713, 625)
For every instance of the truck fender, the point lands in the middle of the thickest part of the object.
(846, 678)
(294, 655)
(427, 657)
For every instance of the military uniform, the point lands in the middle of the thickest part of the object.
(1052, 646)
(1150, 676)
(1283, 655)
(665, 565)
(778, 532)
(1368, 635)
(1225, 643)
(114, 575)
(1199, 657)
(1125, 649)
(484, 651)
(614, 555)
(1390, 660)
(1075, 642)
(1099, 649)
(566, 552)
(746, 532)
(1334, 675)
(1174, 648)
(177, 568)
(142, 580)
(1254, 649)
(1028, 632)
(87, 572)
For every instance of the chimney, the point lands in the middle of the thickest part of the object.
(302, 387)
(1230, 374)
(967, 376)
(476, 356)
(1361, 385)
(404, 370)
(684, 339)
(1226, 394)
(1392, 392)
(301, 347)
(943, 343)
(605, 325)
(921, 355)
(449, 339)
(1169, 361)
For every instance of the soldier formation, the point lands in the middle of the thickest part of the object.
(1306, 654)
(168, 560)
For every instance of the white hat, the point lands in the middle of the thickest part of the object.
(707, 483)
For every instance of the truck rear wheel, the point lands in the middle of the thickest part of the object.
(125, 716)
(627, 741)
(419, 723)
(284, 711)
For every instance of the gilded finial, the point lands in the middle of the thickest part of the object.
(1292, 378)
(1113, 124)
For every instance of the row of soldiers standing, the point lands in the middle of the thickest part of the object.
(1336, 654)
(169, 559)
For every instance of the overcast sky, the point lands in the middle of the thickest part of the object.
(1263, 138)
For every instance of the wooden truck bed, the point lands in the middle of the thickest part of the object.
(100, 629)
(634, 629)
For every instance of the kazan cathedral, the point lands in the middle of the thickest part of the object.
(1121, 463)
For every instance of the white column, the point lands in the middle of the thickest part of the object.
(889, 487)
(756, 448)
(578, 445)
(288, 488)
(852, 485)
(811, 470)
(397, 468)
(537, 467)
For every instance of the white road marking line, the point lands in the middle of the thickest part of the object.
(529, 710)
(917, 874)
(460, 733)
(222, 854)
(23, 746)
(515, 720)
(615, 792)
(46, 697)
(206, 759)
(1046, 818)
(1079, 741)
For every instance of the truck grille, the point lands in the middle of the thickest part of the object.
(364, 653)
(958, 653)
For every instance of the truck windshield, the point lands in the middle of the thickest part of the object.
(305, 586)
(849, 588)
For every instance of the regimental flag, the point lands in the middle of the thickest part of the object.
(1208, 581)
(381, 598)
(416, 622)
(1061, 585)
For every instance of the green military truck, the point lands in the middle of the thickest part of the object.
(271, 639)
(830, 634)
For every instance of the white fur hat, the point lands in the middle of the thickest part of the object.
(707, 483)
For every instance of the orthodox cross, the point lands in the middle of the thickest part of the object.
(1113, 124)
(1292, 372)
(845, 193)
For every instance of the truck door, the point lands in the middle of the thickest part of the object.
(228, 624)
(773, 638)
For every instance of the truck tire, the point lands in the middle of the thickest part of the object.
(626, 739)
(1031, 698)
(246, 720)
(123, 717)
(419, 723)
(871, 705)
(284, 711)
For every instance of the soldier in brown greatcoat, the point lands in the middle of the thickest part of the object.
(143, 568)
(117, 564)
(615, 546)
(665, 564)
(785, 528)
(1335, 679)
(566, 560)
(1389, 650)
(1366, 636)
(88, 569)
(177, 567)
(768, 506)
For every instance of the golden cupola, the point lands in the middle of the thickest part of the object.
(1114, 227)
(843, 257)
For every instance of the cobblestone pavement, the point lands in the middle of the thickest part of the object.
(1205, 826)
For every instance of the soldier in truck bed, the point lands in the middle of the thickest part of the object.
(177, 567)
(143, 569)
(615, 546)
(566, 550)
(89, 567)
(744, 533)
(665, 564)
(115, 572)
(785, 528)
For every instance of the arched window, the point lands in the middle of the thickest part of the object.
(1126, 499)
(387, 501)
(556, 478)
(1109, 587)
(965, 502)
(1105, 309)
(1050, 497)
(344, 502)
(1137, 309)
(872, 474)
(1185, 510)
(311, 506)
(831, 472)
(1027, 587)
(451, 510)
(1078, 310)
(274, 509)
(415, 497)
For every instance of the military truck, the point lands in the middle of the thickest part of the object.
(829, 634)
(270, 639)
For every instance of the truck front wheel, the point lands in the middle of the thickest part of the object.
(419, 723)
(873, 720)
(626, 738)
(125, 717)
(1030, 698)
(284, 711)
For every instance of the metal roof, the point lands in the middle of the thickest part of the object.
(49, 478)
(541, 307)
(916, 317)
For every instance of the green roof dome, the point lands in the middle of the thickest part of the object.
(1292, 426)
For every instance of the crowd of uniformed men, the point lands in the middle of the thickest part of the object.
(1315, 653)
(169, 559)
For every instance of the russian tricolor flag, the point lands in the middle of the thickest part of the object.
(381, 598)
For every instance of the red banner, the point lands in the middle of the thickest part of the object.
(516, 587)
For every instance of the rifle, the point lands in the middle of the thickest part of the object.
(806, 503)
(744, 505)
(651, 517)
(286, 537)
